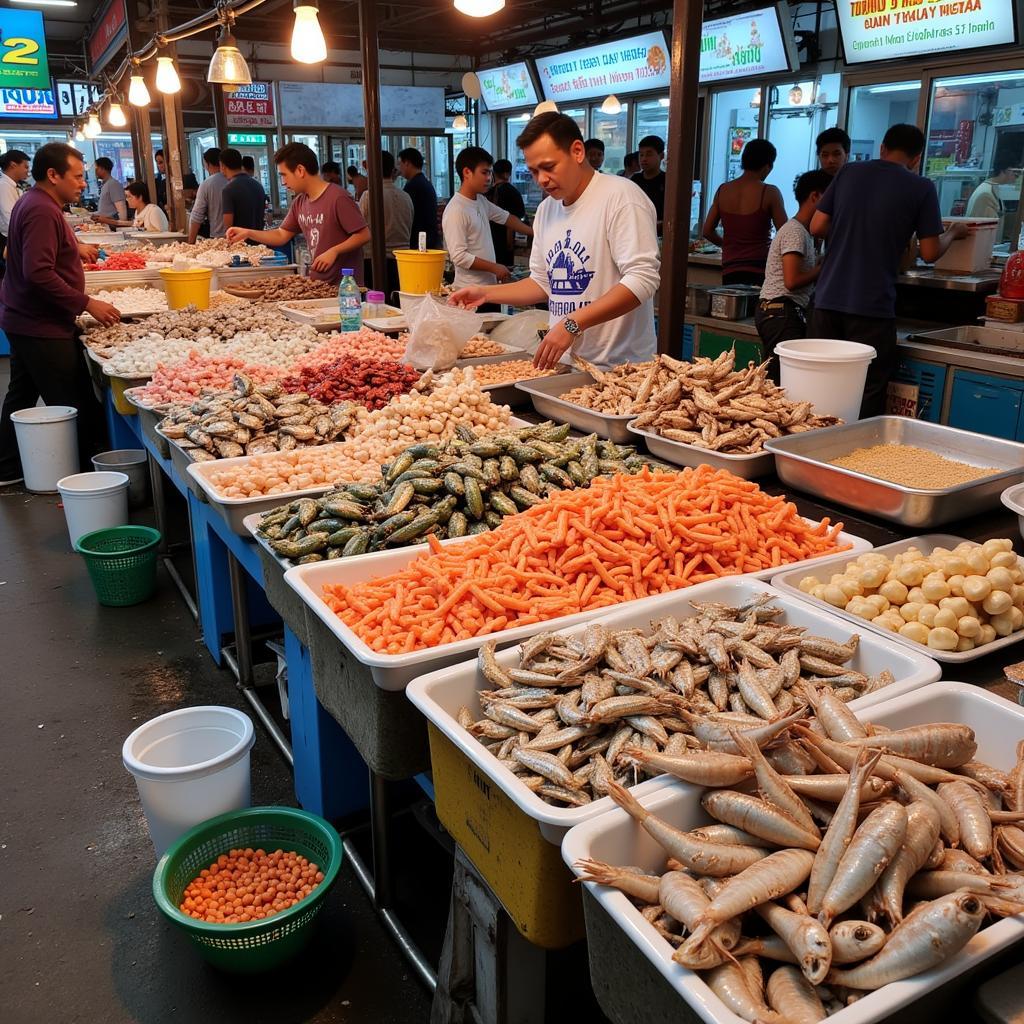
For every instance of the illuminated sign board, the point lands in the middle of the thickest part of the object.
(23, 63)
(507, 87)
(752, 43)
(28, 104)
(638, 64)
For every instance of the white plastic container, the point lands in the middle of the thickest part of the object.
(395, 671)
(440, 694)
(972, 254)
(189, 765)
(829, 373)
(614, 837)
(48, 445)
(93, 501)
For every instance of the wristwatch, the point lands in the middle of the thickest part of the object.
(572, 327)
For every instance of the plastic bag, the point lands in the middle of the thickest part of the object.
(437, 332)
(524, 331)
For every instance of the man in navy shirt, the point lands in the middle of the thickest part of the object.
(869, 214)
(423, 196)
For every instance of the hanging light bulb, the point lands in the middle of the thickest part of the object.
(227, 65)
(167, 80)
(138, 94)
(755, 100)
(611, 105)
(664, 101)
(308, 43)
(93, 128)
(459, 123)
(545, 107)
(479, 8)
(79, 135)
(115, 115)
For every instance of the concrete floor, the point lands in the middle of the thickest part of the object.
(80, 936)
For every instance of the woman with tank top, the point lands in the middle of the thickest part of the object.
(746, 208)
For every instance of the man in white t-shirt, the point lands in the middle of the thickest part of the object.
(467, 223)
(595, 254)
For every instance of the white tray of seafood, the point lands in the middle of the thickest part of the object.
(954, 598)
(888, 967)
(869, 671)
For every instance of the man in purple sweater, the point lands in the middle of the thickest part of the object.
(42, 294)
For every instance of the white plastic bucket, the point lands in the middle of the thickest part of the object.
(48, 445)
(190, 765)
(93, 501)
(829, 373)
(133, 462)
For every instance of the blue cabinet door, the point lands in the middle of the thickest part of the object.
(930, 379)
(987, 405)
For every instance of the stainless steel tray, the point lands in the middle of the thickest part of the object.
(803, 461)
(789, 581)
(149, 418)
(546, 394)
(974, 336)
(747, 467)
(180, 461)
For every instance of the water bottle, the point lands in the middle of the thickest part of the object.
(350, 307)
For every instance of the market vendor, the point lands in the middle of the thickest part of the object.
(325, 214)
(147, 216)
(43, 292)
(595, 254)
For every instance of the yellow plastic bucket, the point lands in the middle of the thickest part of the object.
(420, 272)
(187, 287)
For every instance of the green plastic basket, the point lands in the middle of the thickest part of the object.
(121, 563)
(254, 945)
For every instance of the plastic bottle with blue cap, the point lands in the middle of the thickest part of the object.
(350, 308)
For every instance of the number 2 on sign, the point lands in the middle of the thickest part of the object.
(20, 51)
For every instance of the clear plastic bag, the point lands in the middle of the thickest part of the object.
(437, 332)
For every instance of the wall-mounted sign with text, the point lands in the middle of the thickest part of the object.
(23, 63)
(251, 106)
(631, 65)
(885, 29)
(28, 104)
(752, 43)
(75, 98)
(110, 32)
(507, 87)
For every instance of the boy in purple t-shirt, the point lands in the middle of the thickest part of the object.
(326, 214)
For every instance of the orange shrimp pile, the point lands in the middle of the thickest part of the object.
(622, 538)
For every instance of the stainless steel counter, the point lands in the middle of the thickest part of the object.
(1007, 365)
(985, 282)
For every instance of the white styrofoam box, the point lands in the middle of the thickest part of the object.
(789, 581)
(440, 694)
(616, 838)
(971, 254)
(394, 671)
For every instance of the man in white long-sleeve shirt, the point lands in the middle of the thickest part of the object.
(595, 254)
(15, 167)
(467, 222)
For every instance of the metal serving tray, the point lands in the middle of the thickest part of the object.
(150, 417)
(1002, 338)
(546, 394)
(803, 461)
(748, 467)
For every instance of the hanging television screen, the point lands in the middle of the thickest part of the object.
(637, 64)
(508, 87)
(873, 30)
(758, 42)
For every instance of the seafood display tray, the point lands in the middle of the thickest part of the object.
(394, 671)
(747, 467)
(788, 580)
(546, 394)
(319, 313)
(149, 419)
(508, 352)
(803, 461)
(440, 694)
(614, 837)
(235, 510)
(180, 461)
(507, 393)
(103, 280)
(386, 324)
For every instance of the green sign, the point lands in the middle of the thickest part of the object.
(246, 139)
(23, 63)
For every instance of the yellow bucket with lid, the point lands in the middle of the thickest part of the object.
(187, 287)
(420, 272)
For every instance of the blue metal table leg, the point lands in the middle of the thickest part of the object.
(213, 589)
(331, 779)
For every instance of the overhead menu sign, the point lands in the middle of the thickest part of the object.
(23, 63)
(886, 29)
(110, 32)
(752, 43)
(75, 98)
(251, 106)
(28, 104)
(627, 65)
(507, 87)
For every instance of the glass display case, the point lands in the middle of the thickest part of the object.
(612, 130)
(873, 109)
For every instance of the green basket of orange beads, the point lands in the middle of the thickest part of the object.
(247, 886)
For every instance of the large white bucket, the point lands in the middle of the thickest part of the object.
(48, 445)
(190, 765)
(829, 373)
(93, 501)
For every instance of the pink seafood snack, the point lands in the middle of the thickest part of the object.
(181, 381)
(364, 344)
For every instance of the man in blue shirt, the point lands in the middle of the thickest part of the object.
(869, 215)
(423, 196)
